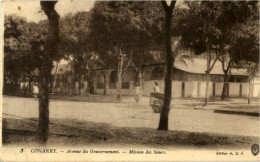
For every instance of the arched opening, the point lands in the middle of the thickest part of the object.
(57, 80)
(91, 87)
(113, 80)
(100, 81)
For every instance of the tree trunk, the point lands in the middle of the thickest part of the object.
(209, 68)
(47, 65)
(24, 90)
(225, 86)
(51, 83)
(250, 91)
(79, 85)
(142, 71)
(105, 83)
(73, 84)
(207, 89)
(30, 85)
(16, 84)
(85, 80)
(43, 127)
(119, 75)
(53, 77)
(5, 82)
(119, 86)
(168, 10)
(141, 82)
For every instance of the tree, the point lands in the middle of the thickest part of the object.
(206, 27)
(75, 43)
(226, 62)
(108, 27)
(245, 50)
(22, 49)
(196, 26)
(12, 47)
(230, 17)
(31, 59)
(169, 59)
(114, 32)
(50, 50)
(149, 40)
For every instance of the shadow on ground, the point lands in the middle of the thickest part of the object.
(85, 98)
(64, 132)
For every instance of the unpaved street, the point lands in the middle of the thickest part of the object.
(129, 114)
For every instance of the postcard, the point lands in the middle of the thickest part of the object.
(130, 81)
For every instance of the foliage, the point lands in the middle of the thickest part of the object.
(209, 26)
(22, 50)
(75, 42)
(206, 25)
(245, 46)
(135, 28)
(126, 33)
(23, 47)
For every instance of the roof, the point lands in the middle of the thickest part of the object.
(62, 68)
(195, 66)
(199, 66)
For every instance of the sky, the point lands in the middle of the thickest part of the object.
(30, 9)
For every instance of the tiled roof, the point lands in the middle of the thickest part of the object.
(195, 65)
(199, 66)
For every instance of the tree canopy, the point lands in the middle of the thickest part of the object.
(23, 46)
(206, 25)
(132, 27)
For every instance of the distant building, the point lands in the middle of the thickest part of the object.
(188, 80)
(188, 76)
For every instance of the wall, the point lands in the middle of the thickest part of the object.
(194, 89)
(257, 79)
(202, 89)
(100, 91)
(66, 88)
(125, 92)
(218, 88)
(176, 89)
(191, 89)
(197, 89)
(255, 88)
(245, 89)
(234, 89)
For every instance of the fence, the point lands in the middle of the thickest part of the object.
(197, 89)
(191, 89)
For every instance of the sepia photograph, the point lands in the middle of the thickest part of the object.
(168, 80)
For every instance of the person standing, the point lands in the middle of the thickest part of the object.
(137, 92)
(35, 91)
(156, 88)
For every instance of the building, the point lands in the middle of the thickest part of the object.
(189, 80)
